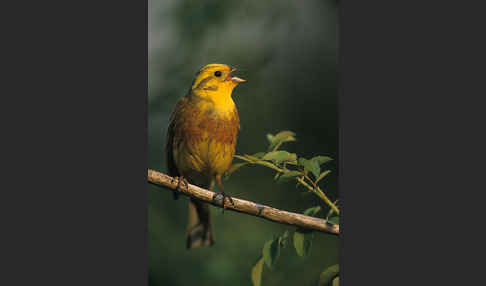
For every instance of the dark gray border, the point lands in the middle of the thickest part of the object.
(411, 129)
(79, 167)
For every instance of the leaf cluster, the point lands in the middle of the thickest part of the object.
(302, 242)
(306, 172)
(288, 166)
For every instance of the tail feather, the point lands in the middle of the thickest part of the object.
(199, 230)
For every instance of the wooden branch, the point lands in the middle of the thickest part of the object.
(244, 206)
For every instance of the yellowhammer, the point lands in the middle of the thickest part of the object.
(201, 140)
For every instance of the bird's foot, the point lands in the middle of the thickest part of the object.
(222, 194)
(181, 181)
(221, 197)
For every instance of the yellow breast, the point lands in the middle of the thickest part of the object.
(206, 137)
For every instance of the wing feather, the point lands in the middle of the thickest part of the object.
(170, 162)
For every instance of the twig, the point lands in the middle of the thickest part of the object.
(322, 195)
(316, 190)
(244, 206)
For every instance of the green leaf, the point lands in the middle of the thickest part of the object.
(283, 239)
(259, 154)
(328, 275)
(312, 211)
(271, 252)
(285, 177)
(275, 154)
(314, 168)
(280, 156)
(279, 138)
(285, 134)
(322, 175)
(335, 282)
(310, 166)
(302, 242)
(270, 138)
(334, 220)
(286, 234)
(321, 159)
(256, 273)
(292, 157)
(314, 165)
(294, 162)
(303, 162)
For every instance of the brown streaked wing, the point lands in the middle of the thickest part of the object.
(170, 163)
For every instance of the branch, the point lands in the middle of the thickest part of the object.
(244, 206)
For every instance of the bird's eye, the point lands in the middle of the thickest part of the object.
(217, 73)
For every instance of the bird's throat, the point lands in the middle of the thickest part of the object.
(217, 102)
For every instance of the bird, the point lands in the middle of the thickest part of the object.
(201, 141)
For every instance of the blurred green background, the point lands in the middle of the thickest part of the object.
(287, 52)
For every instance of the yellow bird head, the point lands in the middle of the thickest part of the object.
(215, 82)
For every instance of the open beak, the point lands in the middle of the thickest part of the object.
(234, 79)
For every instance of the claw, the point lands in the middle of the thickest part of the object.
(230, 199)
(181, 180)
(223, 194)
(221, 197)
